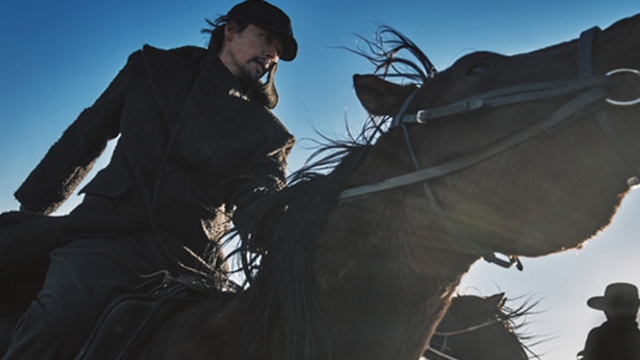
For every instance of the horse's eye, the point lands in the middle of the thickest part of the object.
(478, 69)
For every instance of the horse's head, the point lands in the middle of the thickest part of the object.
(530, 163)
(468, 311)
(479, 328)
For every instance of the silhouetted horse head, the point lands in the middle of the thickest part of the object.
(479, 328)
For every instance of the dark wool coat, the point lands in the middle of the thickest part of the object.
(613, 340)
(191, 148)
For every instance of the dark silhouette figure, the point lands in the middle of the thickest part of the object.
(618, 337)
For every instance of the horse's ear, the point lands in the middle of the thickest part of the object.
(496, 301)
(380, 97)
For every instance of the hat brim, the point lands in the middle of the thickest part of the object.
(603, 303)
(290, 45)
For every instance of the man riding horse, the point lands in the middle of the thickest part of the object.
(198, 144)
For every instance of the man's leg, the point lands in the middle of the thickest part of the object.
(83, 278)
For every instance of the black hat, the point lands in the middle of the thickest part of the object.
(617, 296)
(269, 17)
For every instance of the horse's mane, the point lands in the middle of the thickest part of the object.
(386, 53)
(515, 319)
(512, 319)
(290, 219)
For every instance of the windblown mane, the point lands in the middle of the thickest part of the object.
(512, 319)
(281, 277)
(515, 319)
(384, 53)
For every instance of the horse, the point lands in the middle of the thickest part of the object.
(474, 327)
(522, 155)
(478, 328)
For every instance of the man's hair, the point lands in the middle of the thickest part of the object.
(217, 30)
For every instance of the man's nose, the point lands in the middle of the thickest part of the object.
(272, 54)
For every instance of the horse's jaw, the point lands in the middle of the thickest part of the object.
(554, 220)
(544, 195)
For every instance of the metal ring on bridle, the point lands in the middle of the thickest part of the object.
(623, 103)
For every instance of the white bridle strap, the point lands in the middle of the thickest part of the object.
(469, 329)
(441, 354)
(565, 112)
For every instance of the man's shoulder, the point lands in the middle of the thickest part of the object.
(183, 52)
(160, 63)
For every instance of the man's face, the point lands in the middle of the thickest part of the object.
(249, 54)
(622, 312)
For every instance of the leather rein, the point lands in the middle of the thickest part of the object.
(588, 92)
(440, 353)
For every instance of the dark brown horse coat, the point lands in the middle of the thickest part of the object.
(191, 147)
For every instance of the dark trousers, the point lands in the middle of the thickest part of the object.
(82, 279)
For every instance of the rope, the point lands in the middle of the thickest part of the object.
(469, 329)
(441, 354)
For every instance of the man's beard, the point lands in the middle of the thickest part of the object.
(249, 74)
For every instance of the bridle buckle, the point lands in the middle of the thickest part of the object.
(422, 116)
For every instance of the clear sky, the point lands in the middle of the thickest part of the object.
(57, 56)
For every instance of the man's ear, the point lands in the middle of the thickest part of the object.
(230, 29)
(380, 97)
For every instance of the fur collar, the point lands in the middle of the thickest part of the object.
(167, 69)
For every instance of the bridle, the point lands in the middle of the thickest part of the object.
(588, 90)
(446, 335)
(589, 94)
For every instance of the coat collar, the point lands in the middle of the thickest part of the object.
(172, 74)
(175, 73)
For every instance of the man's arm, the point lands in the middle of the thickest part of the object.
(71, 158)
(254, 215)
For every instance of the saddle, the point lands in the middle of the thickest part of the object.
(130, 320)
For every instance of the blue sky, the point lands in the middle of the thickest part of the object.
(56, 57)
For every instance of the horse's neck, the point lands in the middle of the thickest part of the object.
(386, 270)
(493, 342)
